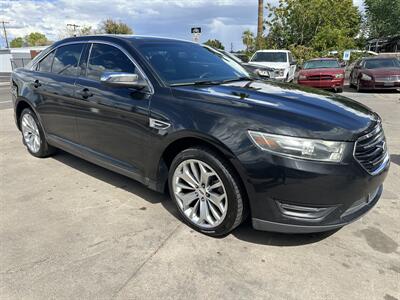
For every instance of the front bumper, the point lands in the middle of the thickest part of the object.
(324, 84)
(316, 196)
(379, 85)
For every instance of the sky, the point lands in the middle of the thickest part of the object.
(224, 20)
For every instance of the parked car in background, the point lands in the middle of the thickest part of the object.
(243, 57)
(259, 70)
(281, 61)
(325, 73)
(376, 73)
(177, 117)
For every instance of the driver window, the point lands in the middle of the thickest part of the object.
(107, 58)
(66, 60)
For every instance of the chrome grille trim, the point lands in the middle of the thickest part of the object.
(370, 150)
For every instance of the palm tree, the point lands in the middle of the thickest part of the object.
(248, 39)
(260, 27)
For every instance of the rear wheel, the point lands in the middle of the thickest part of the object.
(33, 136)
(206, 191)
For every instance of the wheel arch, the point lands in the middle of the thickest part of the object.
(19, 107)
(184, 142)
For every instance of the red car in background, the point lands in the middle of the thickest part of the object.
(376, 73)
(325, 73)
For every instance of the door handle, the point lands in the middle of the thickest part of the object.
(85, 93)
(36, 83)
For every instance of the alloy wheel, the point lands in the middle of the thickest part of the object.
(30, 132)
(200, 193)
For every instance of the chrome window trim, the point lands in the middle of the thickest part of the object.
(40, 57)
(91, 42)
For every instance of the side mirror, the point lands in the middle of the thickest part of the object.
(122, 80)
(294, 62)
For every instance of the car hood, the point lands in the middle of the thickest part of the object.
(382, 71)
(274, 65)
(287, 109)
(321, 71)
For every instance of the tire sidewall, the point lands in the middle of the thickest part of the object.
(43, 145)
(216, 163)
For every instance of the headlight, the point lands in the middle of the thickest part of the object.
(339, 76)
(280, 72)
(366, 77)
(302, 148)
(302, 77)
(262, 72)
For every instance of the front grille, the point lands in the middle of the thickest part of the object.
(371, 150)
(387, 78)
(320, 77)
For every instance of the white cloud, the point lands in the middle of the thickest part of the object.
(221, 19)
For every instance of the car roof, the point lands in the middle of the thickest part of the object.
(323, 58)
(273, 50)
(379, 57)
(135, 39)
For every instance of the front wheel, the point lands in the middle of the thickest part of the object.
(33, 136)
(206, 191)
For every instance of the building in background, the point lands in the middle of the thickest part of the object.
(12, 58)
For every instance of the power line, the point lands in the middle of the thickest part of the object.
(5, 31)
(74, 26)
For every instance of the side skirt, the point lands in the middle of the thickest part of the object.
(102, 161)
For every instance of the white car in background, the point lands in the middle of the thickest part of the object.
(281, 61)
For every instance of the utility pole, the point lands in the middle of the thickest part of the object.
(74, 26)
(5, 31)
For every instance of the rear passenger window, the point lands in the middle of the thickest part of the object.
(106, 58)
(66, 60)
(45, 64)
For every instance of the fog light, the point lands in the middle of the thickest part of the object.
(304, 212)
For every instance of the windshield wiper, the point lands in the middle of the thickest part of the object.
(199, 82)
(238, 79)
(211, 82)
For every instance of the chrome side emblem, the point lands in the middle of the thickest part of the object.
(157, 124)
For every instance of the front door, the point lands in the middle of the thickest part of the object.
(113, 121)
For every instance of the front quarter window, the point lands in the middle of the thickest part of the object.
(107, 58)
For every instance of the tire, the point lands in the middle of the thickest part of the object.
(359, 89)
(233, 201)
(32, 130)
(339, 90)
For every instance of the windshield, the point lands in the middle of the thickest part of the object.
(270, 57)
(382, 63)
(188, 63)
(320, 64)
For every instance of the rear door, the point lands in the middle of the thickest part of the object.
(113, 121)
(54, 82)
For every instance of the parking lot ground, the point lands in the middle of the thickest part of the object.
(72, 230)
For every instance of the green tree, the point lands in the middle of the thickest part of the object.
(382, 17)
(17, 42)
(248, 40)
(215, 44)
(36, 39)
(319, 24)
(114, 27)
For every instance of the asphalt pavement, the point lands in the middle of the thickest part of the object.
(72, 230)
(5, 96)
